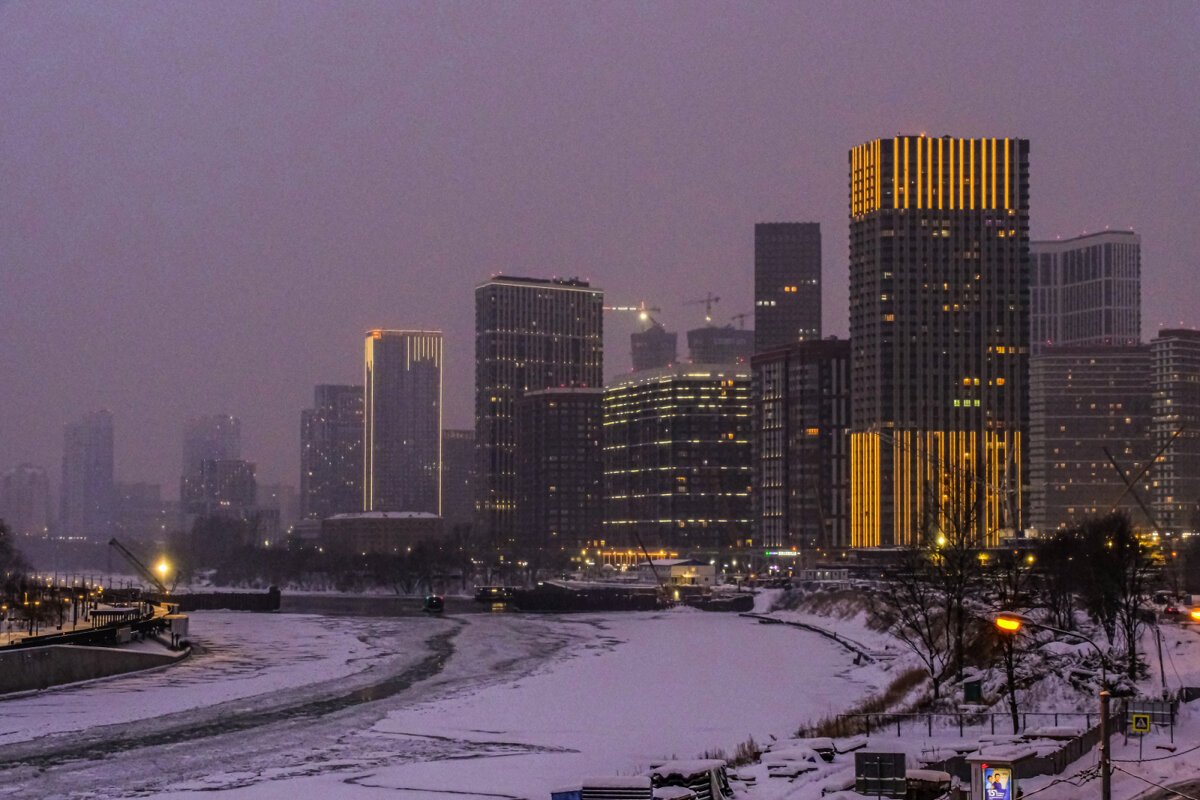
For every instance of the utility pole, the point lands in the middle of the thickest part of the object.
(1105, 753)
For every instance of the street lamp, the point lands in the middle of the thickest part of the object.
(1011, 624)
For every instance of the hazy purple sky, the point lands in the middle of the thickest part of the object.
(203, 205)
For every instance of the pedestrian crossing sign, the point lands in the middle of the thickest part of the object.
(1139, 723)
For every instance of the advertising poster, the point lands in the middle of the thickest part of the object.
(997, 782)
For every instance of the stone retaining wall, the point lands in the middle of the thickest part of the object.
(43, 667)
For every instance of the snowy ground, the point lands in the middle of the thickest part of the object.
(491, 705)
(287, 706)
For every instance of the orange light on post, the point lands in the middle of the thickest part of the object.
(1008, 624)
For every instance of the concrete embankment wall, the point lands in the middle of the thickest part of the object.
(42, 667)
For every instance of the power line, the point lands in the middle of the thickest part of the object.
(1159, 758)
(1175, 792)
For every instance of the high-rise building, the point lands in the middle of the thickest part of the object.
(939, 331)
(278, 505)
(787, 283)
(25, 501)
(1083, 402)
(530, 334)
(720, 345)
(88, 489)
(141, 515)
(559, 474)
(402, 421)
(801, 445)
(458, 478)
(213, 437)
(677, 458)
(1086, 291)
(331, 452)
(653, 347)
(1176, 423)
(226, 487)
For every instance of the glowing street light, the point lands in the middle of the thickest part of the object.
(1011, 624)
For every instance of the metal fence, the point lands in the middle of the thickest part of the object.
(883, 724)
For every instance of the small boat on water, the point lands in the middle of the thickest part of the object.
(434, 603)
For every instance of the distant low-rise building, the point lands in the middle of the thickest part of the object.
(679, 572)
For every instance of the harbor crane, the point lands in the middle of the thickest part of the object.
(141, 569)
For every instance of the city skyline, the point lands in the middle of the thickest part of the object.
(170, 228)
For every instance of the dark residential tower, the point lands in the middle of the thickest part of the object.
(331, 454)
(530, 334)
(212, 437)
(787, 283)
(88, 488)
(25, 501)
(939, 331)
(458, 477)
(1083, 402)
(559, 474)
(801, 445)
(1176, 425)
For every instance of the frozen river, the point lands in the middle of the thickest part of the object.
(477, 705)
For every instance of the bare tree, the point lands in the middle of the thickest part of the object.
(1058, 572)
(914, 606)
(1115, 566)
(950, 526)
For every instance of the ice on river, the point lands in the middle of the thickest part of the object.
(290, 706)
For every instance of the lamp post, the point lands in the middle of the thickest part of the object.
(1011, 625)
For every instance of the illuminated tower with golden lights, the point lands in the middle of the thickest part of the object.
(939, 330)
(402, 421)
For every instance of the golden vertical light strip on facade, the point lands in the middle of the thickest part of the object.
(939, 183)
(971, 191)
(895, 173)
(994, 203)
(853, 210)
(853, 186)
(920, 165)
(864, 166)
(906, 172)
(879, 174)
(950, 186)
(1007, 176)
(961, 172)
(983, 176)
(929, 175)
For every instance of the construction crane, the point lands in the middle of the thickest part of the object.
(1131, 482)
(641, 309)
(707, 301)
(142, 569)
